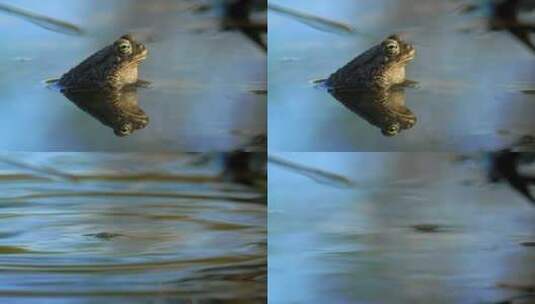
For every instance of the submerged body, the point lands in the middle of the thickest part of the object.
(111, 68)
(378, 68)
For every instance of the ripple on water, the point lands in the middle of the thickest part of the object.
(81, 230)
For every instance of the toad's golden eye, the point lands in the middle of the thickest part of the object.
(391, 47)
(124, 47)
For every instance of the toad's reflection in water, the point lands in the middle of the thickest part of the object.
(384, 109)
(117, 109)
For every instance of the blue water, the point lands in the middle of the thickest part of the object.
(470, 80)
(178, 232)
(334, 244)
(200, 99)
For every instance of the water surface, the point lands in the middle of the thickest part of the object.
(368, 243)
(205, 82)
(472, 83)
(128, 228)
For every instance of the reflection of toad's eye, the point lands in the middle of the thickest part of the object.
(124, 47)
(391, 47)
(123, 130)
(391, 130)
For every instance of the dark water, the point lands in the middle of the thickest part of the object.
(473, 83)
(128, 228)
(412, 228)
(205, 82)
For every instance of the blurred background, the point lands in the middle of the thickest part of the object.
(397, 228)
(208, 78)
(132, 228)
(475, 74)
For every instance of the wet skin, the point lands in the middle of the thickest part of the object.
(377, 69)
(109, 69)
